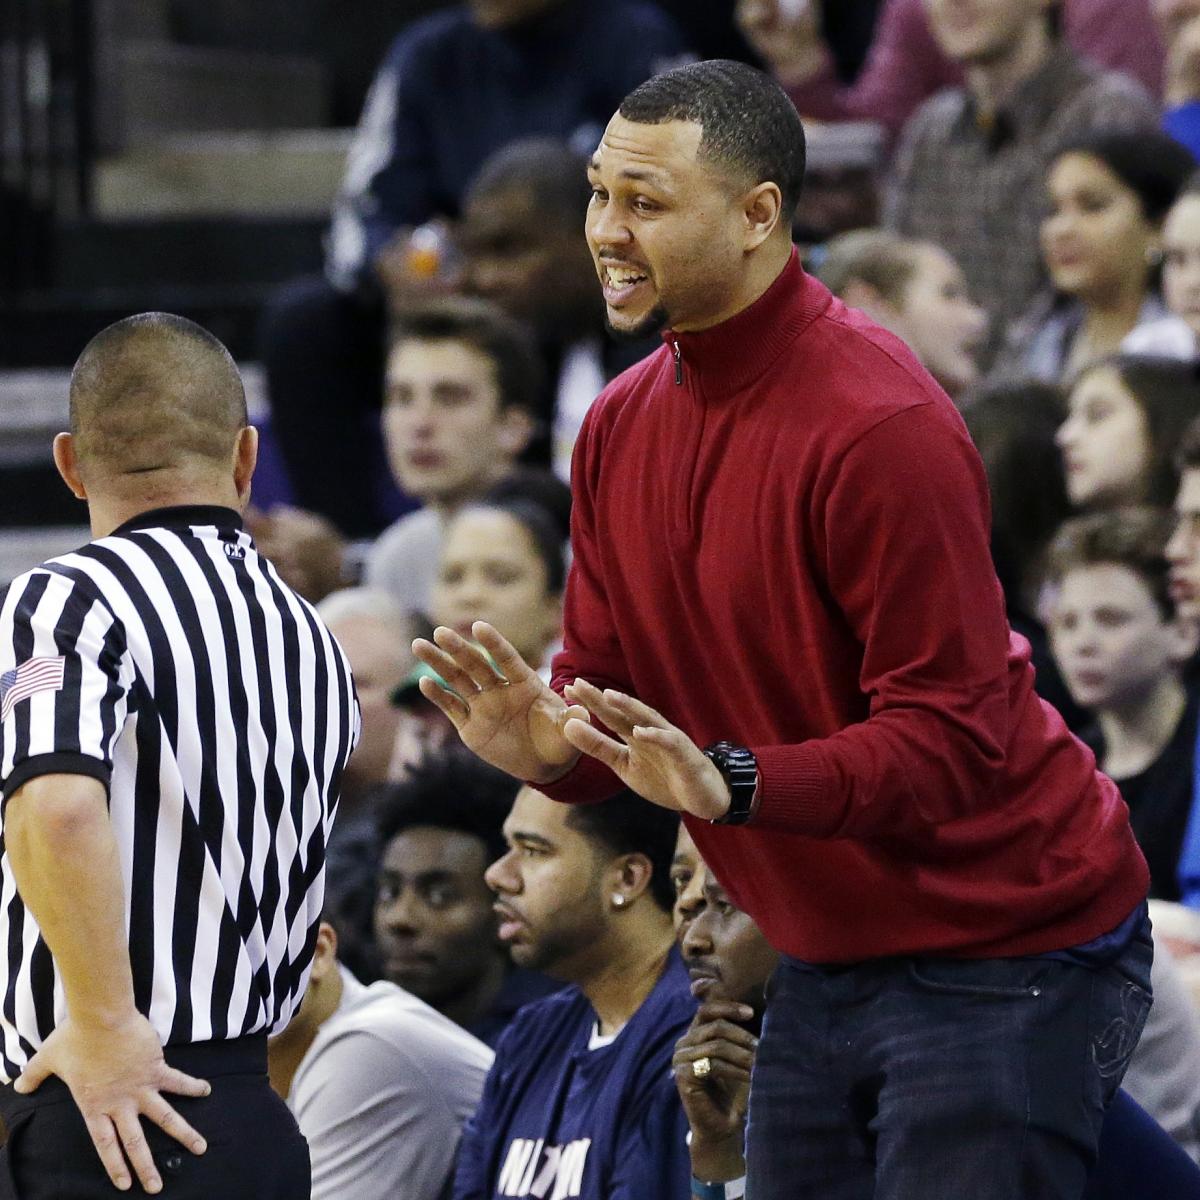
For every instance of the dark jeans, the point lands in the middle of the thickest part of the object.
(255, 1149)
(905, 1078)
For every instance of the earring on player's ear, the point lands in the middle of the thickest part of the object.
(618, 899)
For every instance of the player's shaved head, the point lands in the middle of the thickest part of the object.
(155, 393)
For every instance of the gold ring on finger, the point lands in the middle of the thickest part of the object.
(702, 1067)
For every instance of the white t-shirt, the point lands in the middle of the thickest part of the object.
(383, 1093)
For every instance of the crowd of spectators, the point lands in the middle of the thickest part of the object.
(502, 968)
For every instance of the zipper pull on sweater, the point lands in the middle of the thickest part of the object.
(678, 362)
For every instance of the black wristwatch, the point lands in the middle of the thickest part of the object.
(739, 769)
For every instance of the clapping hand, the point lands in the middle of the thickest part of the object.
(500, 707)
(648, 754)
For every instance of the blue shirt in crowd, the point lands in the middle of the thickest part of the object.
(562, 1121)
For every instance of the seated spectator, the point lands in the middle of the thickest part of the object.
(1125, 417)
(1177, 335)
(376, 635)
(521, 248)
(968, 172)
(915, 291)
(906, 65)
(462, 388)
(1179, 25)
(1102, 244)
(1122, 651)
(580, 1101)
(1013, 427)
(378, 1082)
(435, 930)
(729, 962)
(503, 563)
(453, 88)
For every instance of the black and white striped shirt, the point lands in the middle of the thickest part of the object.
(169, 661)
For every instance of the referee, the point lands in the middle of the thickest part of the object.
(174, 724)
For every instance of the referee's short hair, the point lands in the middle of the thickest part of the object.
(155, 392)
(450, 789)
(627, 824)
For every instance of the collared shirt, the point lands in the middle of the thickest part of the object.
(976, 186)
(173, 665)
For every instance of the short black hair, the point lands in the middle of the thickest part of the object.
(1152, 165)
(749, 125)
(450, 789)
(484, 327)
(152, 390)
(547, 170)
(627, 824)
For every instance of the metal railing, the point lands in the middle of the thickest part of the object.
(47, 130)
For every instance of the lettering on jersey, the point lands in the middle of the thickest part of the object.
(532, 1168)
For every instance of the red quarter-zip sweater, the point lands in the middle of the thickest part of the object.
(781, 538)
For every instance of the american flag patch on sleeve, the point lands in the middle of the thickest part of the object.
(43, 674)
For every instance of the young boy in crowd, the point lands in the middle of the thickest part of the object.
(1121, 649)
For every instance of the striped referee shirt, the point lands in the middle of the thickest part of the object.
(170, 662)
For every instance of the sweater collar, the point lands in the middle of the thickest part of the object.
(734, 353)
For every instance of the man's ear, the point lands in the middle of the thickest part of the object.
(762, 209)
(68, 464)
(630, 875)
(245, 459)
(515, 430)
(325, 953)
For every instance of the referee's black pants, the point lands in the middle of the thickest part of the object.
(255, 1149)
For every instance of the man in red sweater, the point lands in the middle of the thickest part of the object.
(781, 550)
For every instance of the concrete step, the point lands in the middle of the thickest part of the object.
(266, 173)
(150, 88)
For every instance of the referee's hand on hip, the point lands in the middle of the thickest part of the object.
(116, 1075)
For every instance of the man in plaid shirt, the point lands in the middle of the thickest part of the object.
(968, 174)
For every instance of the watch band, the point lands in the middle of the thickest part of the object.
(735, 1189)
(739, 769)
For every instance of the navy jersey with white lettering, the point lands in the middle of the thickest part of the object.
(169, 661)
(560, 1121)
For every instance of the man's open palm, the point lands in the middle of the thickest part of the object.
(503, 712)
